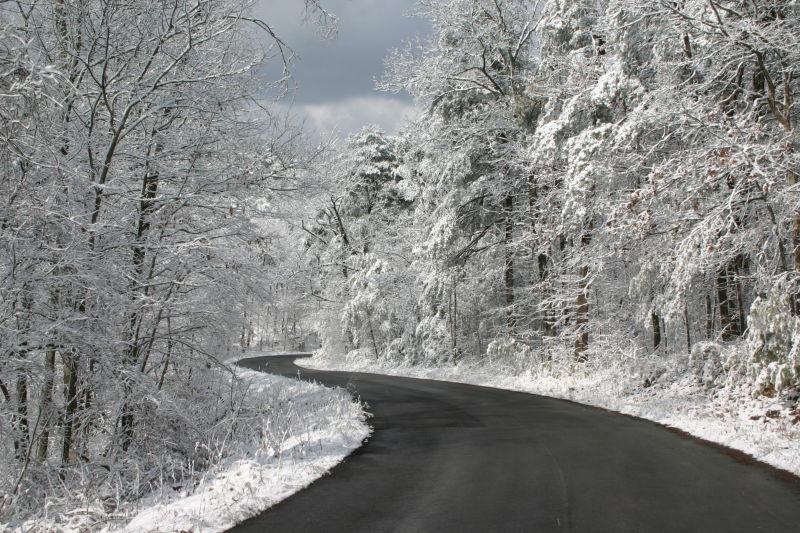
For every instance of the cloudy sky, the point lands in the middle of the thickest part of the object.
(336, 78)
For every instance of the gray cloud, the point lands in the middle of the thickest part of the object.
(336, 78)
(351, 114)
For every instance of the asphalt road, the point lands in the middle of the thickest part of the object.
(447, 457)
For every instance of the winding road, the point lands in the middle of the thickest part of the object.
(447, 457)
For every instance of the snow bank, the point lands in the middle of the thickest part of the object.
(763, 428)
(308, 429)
(329, 426)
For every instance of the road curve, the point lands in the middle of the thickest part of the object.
(447, 457)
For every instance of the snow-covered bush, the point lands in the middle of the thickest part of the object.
(268, 437)
(774, 340)
(432, 333)
(705, 362)
(510, 355)
(370, 314)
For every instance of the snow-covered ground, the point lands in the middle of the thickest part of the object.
(308, 430)
(764, 428)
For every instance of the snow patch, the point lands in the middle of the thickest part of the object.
(309, 429)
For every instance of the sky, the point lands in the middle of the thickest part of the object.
(335, 78)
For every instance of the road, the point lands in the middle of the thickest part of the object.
(447, 457)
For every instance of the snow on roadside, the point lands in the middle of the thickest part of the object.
(748, 425)
(308, 430)
(329, 425)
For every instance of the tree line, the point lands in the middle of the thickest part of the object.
(138, 169)
(588, 177)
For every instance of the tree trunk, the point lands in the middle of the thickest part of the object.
(544, 316)
(547, 314)
(84, 424)
(582, 317)
(508, 272)
(242, 337)
(169, 353)
(709, 318)
(4, 391)
(147, 205)
(655, 320)
(46, 405)
(71, 409)
(454, 317)
(345, 238)
(21, 418)
(792, 180)
(781, 108)
(727, 322)
(372, 335)
(739, 267)
(688, 330)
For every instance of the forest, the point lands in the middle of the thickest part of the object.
(588, 179)
(140, 171)
(591, 184)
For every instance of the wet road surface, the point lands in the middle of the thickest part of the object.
(446, 457)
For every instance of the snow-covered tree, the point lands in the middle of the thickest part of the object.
(137, 171)
(595, 174)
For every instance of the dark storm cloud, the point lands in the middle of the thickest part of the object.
(335, 77)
